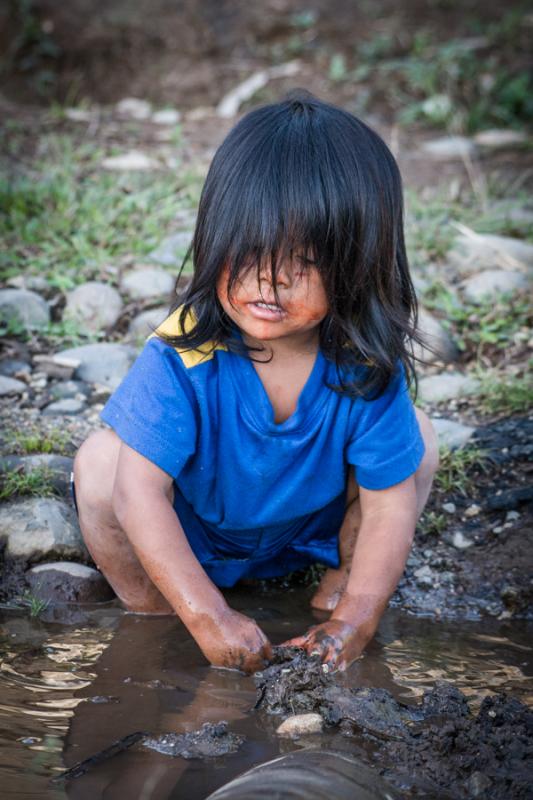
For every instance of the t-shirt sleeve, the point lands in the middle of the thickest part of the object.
(153, 409)
(386, 446)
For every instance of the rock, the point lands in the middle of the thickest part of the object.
(460, 542)
(446, 386)
(68, 582)
(473, 510)
(68, 389)
(145, 323)
(95, 305)
(451, 434)
(473, 252)
(25, 308)
(449, 147)
(147, 282)
(491, 283)
(69, 405)
(450, 508)
(13, 367)
(106, 363)
(134, 108)
(57, 468)
(11, 386)
(41, 528)
(171, 251)
(35, 283)
(211, 740)
(56, 367)
(132, 161)
(509, 498)
(167, 116)
(497, 138)
(437, 337)
(425, 576)
(231, 102)
(300, 725)
(81, 114)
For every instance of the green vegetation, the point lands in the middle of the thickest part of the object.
(431, 522)
(36, 482)
(457, 468)
(32, 603)
(68, 218)
(500, 394)
(34, 441)
(488, 325)
(479, 81)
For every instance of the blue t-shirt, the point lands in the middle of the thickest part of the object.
(206, 420)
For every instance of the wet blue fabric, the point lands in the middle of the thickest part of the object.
(258, 498)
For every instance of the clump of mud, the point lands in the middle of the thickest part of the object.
(438, 744)
(212, 740)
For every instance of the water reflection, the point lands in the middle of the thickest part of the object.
(70, 691)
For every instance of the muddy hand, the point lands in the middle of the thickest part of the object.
(337, 643)
(237, 642)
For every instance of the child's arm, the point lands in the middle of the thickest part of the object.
(388, 521)
(142, 507)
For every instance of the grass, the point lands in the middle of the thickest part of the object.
(36, 482)
(67, 219)
(456, 84)
(504, 395)
(35, 441)
(431, 522)
(493, 324)
(457, 468)
(35, 605)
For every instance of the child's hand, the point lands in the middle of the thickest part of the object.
(336, 642)
(237, 642)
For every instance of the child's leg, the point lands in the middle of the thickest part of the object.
(334, 580)
(94, 476)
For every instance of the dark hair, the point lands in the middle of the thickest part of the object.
(304, 174)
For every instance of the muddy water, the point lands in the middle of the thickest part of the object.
(72, 685)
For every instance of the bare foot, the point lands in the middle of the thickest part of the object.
(330, 589)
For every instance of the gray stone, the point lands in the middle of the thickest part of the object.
(446, 386)
(35, 283)
(106, 363)
(166, 116)
(134, 108)
(68, 582)
(300, 725)
(449, 147)
(473, 252)
(57, 468)
(132, 161)
(67, 406)
(94, 305)
(492, 283)
(450, 508)
(498, 138)
(144, 323)
(460, 542)
(437, 337)
(171, 251)
(54, 366)
(25, 308)
(13, 367)
(41, 528)
(424, 576)
(66, 389)
(450, 434)
(147, 282)
(11, 386)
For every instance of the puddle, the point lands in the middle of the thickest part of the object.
(69, 691)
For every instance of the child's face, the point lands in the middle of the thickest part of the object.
(302, 301)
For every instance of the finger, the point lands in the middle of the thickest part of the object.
(298, 641)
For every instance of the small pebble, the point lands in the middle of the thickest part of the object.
(472, 511)
(512, 515)
(460, 542)
(497, 529)
(450, 508)
(300, 725)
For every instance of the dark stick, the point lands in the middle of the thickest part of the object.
(113, 749)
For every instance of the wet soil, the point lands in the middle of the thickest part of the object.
(211, 741)
(438, 743)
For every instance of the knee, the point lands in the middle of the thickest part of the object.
(430, 462)
(94, 468)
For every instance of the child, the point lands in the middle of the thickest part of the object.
(267, 425)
